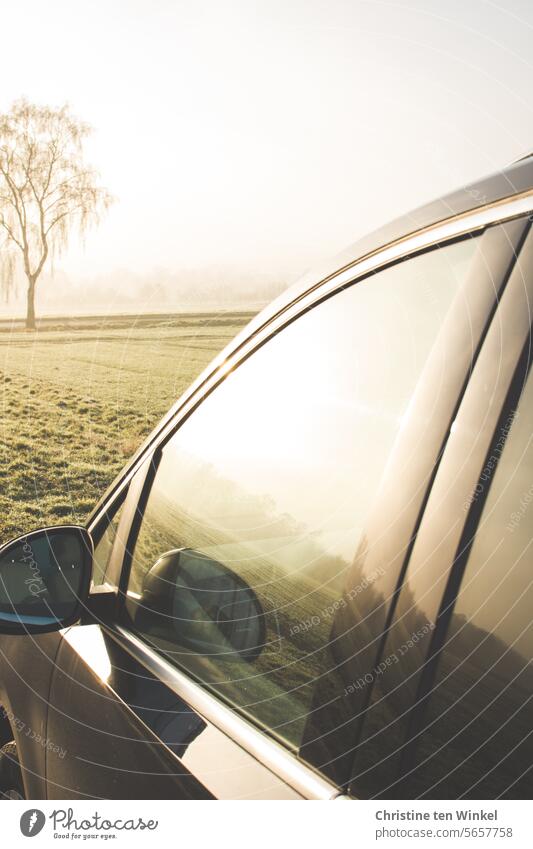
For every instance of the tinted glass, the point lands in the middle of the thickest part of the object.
(246, 551)
(478, 741)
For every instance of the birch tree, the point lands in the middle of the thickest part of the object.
(47, 192)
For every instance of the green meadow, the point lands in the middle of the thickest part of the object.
(79, 396)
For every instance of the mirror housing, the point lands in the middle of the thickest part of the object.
(203, 605)
(44, 580)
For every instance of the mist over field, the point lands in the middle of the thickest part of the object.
(162, 290)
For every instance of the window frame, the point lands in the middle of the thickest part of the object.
(475, 220)
(145, 473)
(145, 463)
(105, 520)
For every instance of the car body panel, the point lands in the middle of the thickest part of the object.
(26, 669)
(132, 735)
(70, 658)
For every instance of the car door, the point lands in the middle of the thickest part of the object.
(254, 586)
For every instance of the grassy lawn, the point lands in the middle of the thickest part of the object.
(78, 398)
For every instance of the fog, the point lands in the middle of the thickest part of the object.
(246, 141)
(159, 291)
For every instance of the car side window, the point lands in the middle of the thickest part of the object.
(104, 537)
(246, 549)
(476, 739)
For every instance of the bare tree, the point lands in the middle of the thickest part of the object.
(46, 191)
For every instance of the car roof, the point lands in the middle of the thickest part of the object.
(512, 180)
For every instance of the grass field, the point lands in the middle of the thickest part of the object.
(78, 397)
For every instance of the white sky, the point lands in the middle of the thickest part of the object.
(265, 134)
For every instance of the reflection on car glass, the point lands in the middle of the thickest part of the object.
(265, 491)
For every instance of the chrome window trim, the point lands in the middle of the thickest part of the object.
(426, 237)
(256, 743)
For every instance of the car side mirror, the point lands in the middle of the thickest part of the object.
(44, 580)
(202, 605)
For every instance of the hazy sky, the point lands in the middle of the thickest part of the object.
(265, 134)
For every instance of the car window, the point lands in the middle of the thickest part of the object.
(246, 550)
(477, 737)
(104, 538)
